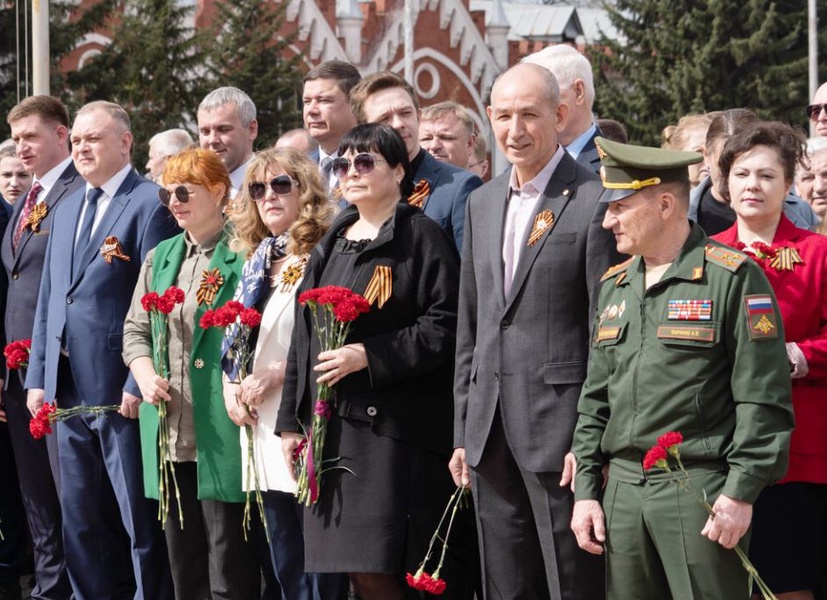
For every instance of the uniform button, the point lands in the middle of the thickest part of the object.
(505, 324)
(372, 411)
(69, 300)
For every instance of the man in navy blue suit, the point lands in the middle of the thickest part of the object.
(40, 129)
(573, 72)
(91, 266)
(440, 188)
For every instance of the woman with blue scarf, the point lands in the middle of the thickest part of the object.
(281, 213)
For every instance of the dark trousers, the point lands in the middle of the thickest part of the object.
(523, 523)
(209, 557)
(36, 462)
(286, 552)
(102, 496)
(12, 521)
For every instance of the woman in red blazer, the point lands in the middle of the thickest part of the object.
(758, 165)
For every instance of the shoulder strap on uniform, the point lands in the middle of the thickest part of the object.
(727, 258)
(616, 269)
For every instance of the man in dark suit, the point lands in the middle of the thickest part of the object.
(326, 112)
(573, 72)
(91, 266)
(440, 188)
(40, 129)
(532, 258)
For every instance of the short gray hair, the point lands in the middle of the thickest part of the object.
(227, 95)
(171, 141)
(449, 107)
(816, 144)
(115, 111)
(567, 65)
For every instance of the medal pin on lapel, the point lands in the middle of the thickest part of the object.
(542, 223)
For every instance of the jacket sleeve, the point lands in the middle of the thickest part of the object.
(35, 373)
(469, 183)
(428, 343)
(760, 384)
(137, 333)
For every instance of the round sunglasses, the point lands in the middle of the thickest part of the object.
(364, 164)
(280, 185)
(181, 192)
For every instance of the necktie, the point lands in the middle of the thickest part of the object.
(326, 166)
(82, 242)
(31, 200)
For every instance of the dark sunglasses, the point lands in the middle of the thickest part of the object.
(180, 192)
(814, 110)
(363, 163)
(280, 185)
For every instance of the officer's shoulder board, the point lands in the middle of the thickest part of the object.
(617, 269)
(724, 256)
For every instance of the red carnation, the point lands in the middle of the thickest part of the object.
(309, 296)
(224, 316)
(656, 457)
(175, 294)
(165, 304)
(670, 442)
(207, 319)
(349, 309)
(17, 354)
(235, 307)
(250, 317)
(149, 301)
(333, 294)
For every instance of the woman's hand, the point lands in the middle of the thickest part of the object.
(289, 443)
(336, 364)
(255, 387)
(154, 388)
(239, 413)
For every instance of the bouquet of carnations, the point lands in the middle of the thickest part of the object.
(238, 323)
(17, 354)
(49, 414)
(339, 308)
(159, 307)
(658, 456)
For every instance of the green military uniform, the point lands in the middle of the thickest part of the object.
(701, 352)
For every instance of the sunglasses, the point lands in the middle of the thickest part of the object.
(280, 185)
(814, 110)
(181, 192)
(363, 163)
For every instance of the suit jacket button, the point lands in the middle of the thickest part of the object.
(505, 324)
(496, 376)
(15, 275)
(371, 411)
(69, 300)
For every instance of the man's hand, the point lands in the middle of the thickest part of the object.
(289, 442)
(459, 468)
(589, 525)
(336, 364)
(730, 523)
(129, 406)
(569, 468)
(35, 399)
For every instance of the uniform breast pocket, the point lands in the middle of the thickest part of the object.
(689, 336)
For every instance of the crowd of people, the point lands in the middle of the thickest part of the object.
(532, 339)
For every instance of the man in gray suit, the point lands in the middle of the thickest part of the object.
(40, 129)
(532, 258)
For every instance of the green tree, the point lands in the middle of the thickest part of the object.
(249, 54)
(154, 68)
(67, 26)
(674, 57)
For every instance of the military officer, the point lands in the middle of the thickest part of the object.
(687, 338)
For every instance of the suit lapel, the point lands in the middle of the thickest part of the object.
(555, 198)
(223, 260)
(495, 223)
(57, 192)
(428, 170)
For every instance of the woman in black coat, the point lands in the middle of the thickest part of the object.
(391, 427)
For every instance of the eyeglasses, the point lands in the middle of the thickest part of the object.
(280, 185)
(814, 110)
(363, 163)
(181, 192)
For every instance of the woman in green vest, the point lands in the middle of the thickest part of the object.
(208, 554)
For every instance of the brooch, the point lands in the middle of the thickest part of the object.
(292, 274)
(542, 222)
(420, 193)
(38, 213)
(785, 259)
(112, 249)
(380, 286)
(210, 282)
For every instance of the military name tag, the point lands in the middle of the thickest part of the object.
(762, 322)
(698, 334)
(690, 310)
(608, 333)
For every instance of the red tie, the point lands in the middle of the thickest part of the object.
(31, 199)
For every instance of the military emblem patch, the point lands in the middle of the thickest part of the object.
(762, 322)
